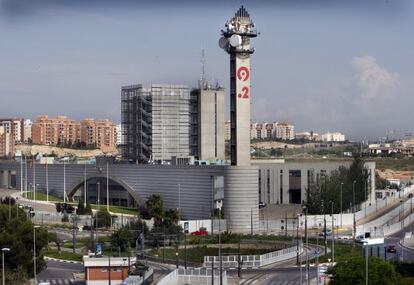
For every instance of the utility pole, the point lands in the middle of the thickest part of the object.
(353, 210)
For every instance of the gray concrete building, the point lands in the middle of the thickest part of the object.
(155, 122)
(207, 123)
(286, 182)
(193, 189)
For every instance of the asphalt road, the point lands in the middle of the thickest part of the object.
(60, 273)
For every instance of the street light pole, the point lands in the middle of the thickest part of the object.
(3, 250)
(333, 232)
(34, 253)
(107, 186)
(342, 186)
(64, 180)
(47, 182)
(353, 210)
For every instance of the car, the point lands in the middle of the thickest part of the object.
(391, 248)
(199, 233)
(262, 205)
(410, 195)
(328, 233)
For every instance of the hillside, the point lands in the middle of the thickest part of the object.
(59, 151)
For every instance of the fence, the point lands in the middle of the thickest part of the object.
(249, 261)
(198, 276)
(195, 225)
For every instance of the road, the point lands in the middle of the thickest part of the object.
(60, 273)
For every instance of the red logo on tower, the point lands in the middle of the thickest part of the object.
(243, 74)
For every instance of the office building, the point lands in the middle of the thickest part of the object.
(155, 122)
(207, 123)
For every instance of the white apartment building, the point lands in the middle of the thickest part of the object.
(27, 130)
(333, 137)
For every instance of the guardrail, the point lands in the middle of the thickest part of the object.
(199, 276)
(253, 261)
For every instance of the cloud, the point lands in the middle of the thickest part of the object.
(373, 81)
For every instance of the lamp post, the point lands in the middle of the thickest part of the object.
(64, 180)
(3, 250)
(107, 186)
(340, 209)
(84, 186)
(305, 209)
(34, 253)
(353, 210)
(333, 232)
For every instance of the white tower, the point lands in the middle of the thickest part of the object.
(235, 41)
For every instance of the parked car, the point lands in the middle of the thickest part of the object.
(328, 233)
(391, 248)
(199, 233)
(262, 205)
(410, 195)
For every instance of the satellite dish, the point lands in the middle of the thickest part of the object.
(223, 42)
(235, 40)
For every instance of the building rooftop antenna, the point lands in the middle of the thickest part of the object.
(202, 84)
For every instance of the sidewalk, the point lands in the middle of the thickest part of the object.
(392, 205)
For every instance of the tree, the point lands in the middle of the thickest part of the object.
(82, 210)
(127, 235)
(327, 188)
(17, 234)
(171, 217)
(155, 206)
(352, 271)
(103, 218)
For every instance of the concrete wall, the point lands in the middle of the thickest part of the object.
(271, 184)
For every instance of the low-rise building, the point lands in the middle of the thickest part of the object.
(99, 270)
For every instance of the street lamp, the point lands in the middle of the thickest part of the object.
(342, 186)
(353, 209)
(3, 250)
(34, 253)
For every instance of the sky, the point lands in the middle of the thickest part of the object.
(323, 65)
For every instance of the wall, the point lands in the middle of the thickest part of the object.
(270, 193)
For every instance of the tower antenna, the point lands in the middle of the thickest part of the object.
(203, 71)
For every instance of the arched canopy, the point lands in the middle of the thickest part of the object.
(74, 188)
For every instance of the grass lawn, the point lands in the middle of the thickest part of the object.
(197, 254)
(117, 209)
(65, 255)
(43, 197)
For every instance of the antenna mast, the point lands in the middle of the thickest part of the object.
(202, 83)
